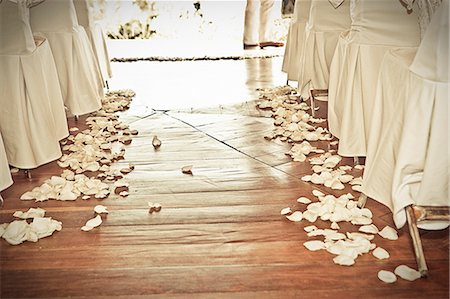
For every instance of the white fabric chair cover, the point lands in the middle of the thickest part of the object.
(96, 37)
(377, 26)
(5, 174)
(33, 118)
(421, 174)
(325, 24)
(407, 161)
(387, 125)
(79, 76)
(295, 39)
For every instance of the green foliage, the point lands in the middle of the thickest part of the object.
(134, 29)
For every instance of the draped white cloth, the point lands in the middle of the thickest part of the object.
(421, 174)
(33, 118)
(295, 39)
(377, 26)
(96, 37)
(325, 24)
(79, 76)
(407, 157)
(5, 174)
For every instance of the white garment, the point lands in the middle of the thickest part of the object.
(79, 76)
(325, 24)
(5, 174)
(32, 118)
(258, 22)
(295, 39)
(377, 26)
(96, 37)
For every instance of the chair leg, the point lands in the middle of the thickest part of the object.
(28, 174)
(107, 85)
(313, 108)
(77, 117)
(355, 161)
(1, 201)
(362, 200)
(417, 242)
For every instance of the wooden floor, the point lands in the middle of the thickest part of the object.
(219, 233)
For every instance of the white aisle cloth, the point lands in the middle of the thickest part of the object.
(96, 37)
(5, 174)
(295, 39)
(33, 118)
(325, 24)
(258, 22)
(377, 26)
(79, 76)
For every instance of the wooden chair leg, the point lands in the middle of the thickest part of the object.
(362, 200)
(417, 242)
(1, 201)
(313, 94)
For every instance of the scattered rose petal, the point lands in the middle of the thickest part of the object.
(380, 253)
(99, 209)
(187, 169)
(286, 211)
(407, 273)
(388, 233)
(295, 217)
(387, 276)
(314, 245)
(304, 200)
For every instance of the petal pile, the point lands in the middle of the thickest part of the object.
(89, 155)
(19, 231)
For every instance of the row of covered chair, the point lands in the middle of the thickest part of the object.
(387, 88)
(48, 70)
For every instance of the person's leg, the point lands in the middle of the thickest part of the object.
(251, 23)
(267, 17)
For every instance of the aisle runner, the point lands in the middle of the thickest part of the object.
(293, 124)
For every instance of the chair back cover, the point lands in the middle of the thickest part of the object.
(15, 30)
(84, 15)
(301, 10)
(384, 22)
(324, 17)
(431, 60)
(54, 16)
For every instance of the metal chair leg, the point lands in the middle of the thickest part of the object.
(76, 118)
(362, 200)
(107, 85)
(417, 242)
(355, 161)
(1, 201)
(28, 174)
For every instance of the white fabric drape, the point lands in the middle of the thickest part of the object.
(325, 23)
(79, 76)
(421, 173)
(407, 157)
(96, 37)
(5, 174)
(295, 40)
(377, 26)
(32, 118)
